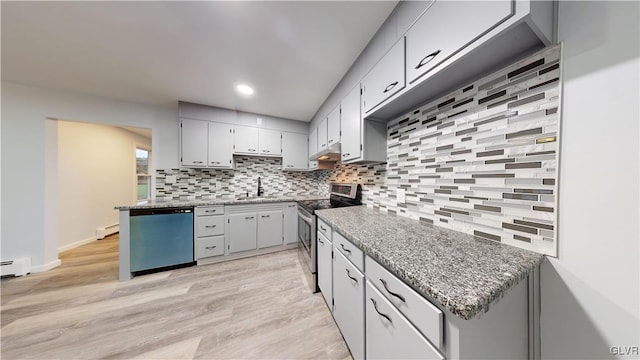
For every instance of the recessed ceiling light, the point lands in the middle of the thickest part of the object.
(244, 89)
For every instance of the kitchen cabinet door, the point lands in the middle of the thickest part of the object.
(348, 303)
(333, 126)
(446, 28)
(193, 136)
(270, 142)
(242, 232)
(246, 140)
(290, 226)
(385, 79)
(322, 135)
(294, 151)
(325, 269)
(220, 147)
(350, 125)
(390, 335)
(270, 228)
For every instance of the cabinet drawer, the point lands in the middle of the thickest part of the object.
(209, 246)
(209, 210)
(349, 250)
(209, 225)
(324, 229)
(389, 334)
(424, 315)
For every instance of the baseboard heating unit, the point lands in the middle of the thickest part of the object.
(18, 267)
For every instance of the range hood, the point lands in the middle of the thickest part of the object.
(330, 154)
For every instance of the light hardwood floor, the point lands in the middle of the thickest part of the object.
(259, 307)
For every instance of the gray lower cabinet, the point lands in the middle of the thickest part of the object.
(290, 223)
(209, 231)
(325, 271)
(390, 335)
(348, 303)
(210, 246)
(242, 232)
(269, 228)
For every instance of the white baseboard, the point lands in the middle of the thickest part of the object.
(76, 244)
(45, 267)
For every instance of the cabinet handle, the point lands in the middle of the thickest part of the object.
(210, 247)
(215, 162)
(320, 241)
(346, 154)
(210, 226)
(251, 149)
(345, 249)
(291, 206)
(375, 307)
(266, 216)
(351, 277)
(290, 166)
(248, 217)
(384, 283)
(266, 151)
(197, 162)
(323, 145)
(210, 211)
(323, 228)
(330, 141)
(425, 60)
(390, 86)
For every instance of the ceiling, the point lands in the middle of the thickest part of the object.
(292, 53)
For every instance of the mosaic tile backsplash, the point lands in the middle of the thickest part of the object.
(481, 160)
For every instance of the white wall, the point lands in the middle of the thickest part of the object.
(590, 294)
(96, 171)
(24, 110)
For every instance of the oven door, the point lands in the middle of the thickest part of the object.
(307, 238)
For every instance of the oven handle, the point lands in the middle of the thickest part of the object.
(308, 220)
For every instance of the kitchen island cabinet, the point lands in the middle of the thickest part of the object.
(447, 294)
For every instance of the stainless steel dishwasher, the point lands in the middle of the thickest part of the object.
(160, 238)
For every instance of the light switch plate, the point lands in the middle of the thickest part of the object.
(170, 179)
(400, 196)
(258, 121)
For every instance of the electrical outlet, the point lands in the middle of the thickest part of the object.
(400, 196)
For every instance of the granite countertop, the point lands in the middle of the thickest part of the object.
(231, 200)
(463, 273)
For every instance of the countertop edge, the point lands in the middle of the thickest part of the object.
(210, 202)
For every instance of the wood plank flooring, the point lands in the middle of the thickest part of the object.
(253, 308)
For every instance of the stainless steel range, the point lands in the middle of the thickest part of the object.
(341, 195)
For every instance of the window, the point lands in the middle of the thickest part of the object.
(143, 181)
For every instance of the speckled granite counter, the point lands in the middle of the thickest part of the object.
(463, 273)
(223, 201)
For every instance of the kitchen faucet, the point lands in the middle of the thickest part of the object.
(260, 189)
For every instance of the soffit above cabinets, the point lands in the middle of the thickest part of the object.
(291, 53)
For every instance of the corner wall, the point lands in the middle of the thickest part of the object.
(590, 294)
(96, 171)
(24, 113)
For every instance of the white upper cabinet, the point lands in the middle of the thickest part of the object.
(294, 151)
(408, 13)
(446, 28)
(322, 135)
(333, 126)
(220, 147)
(385, 79)
(193, 143)
(313, 142)
(350, 125)
(246, 140)
(270, 142)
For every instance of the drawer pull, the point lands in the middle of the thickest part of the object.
(248, 217)
(427, 59)
(351, 277)
(320, 241)
(251, 149)
(375, 307)
(323, 228)
(215, 162)
(265, 216)
(210, 211)
(197, 162)
(265, 151)
(291, 206)
(384, 283)
(210, 247)
(390, 86)
(346, 154)
(345, 249)
(209, 226)
(330, 141)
